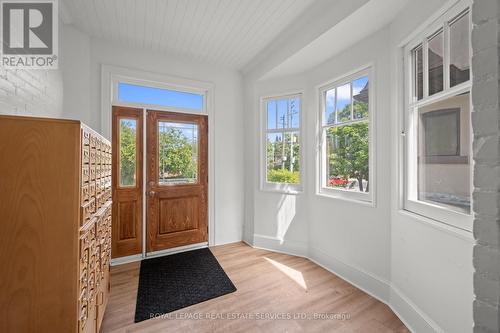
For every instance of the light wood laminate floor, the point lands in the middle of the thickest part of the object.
(269, 284)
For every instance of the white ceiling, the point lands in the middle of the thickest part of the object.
(224, 32)
(366, 20)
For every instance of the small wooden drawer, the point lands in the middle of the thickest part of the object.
(86, 211)
(92, 172)
(85, 194)
(98, 200)
(92, 189)
(85, 173)
(92, 155)
(92, 285)
(92, 237)
(98, 171)
(93, 141)
(84, 262)
(85, 138)
(84, 276)
(98, 189)
(85, 154)
(83, 315)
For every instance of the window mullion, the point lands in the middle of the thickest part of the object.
(352, 103)
(335, 108)
(446, 56)
(425, 60)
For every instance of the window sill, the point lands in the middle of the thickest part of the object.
(282, 189)
(358, 198)
(439, 214)
(442, 226)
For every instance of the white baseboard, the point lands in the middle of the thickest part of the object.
(371, 284)
(410, 314)
(295, 248)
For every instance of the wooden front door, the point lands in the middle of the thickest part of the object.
(127, 181)
(177, 179)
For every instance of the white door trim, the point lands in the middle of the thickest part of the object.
(111, 75)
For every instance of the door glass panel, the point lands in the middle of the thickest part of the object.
(459, 51)
(128, 151)
(435, 60)
(177, 153)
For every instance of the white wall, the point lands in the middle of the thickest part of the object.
(76, 76)
(82, 100)
(279, 220)
(431, 264)
(422, 269)
(355, 234)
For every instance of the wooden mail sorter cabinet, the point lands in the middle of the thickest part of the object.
(55, 218)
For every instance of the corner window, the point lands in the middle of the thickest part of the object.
(346, 138)
(437, 122)
(281, 143)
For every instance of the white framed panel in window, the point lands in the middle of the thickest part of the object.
(437, 120)
(280, 149)
(346, 154)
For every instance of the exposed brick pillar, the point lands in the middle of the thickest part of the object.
(486, 153)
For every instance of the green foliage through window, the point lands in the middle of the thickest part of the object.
(127, 151)
(177, 152)
(347, 136)
(282, 140)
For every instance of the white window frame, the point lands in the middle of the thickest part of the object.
(339, 193)
(280, 187)
(410, 116)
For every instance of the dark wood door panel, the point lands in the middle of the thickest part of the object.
(178, 214)
(127, 183)
(176, 206)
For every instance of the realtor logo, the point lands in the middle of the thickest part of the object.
(29, 34)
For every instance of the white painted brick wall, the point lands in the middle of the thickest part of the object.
(486, 153)
(31, 92)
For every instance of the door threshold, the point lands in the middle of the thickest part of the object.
(176, 250)
(139, 257)
(125, 260)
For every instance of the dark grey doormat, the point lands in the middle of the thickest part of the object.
(179, 280)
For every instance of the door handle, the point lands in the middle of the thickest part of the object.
(152, 193)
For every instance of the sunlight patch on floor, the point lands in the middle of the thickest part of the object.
(293, 274)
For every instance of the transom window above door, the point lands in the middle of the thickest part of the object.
(130, 92)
